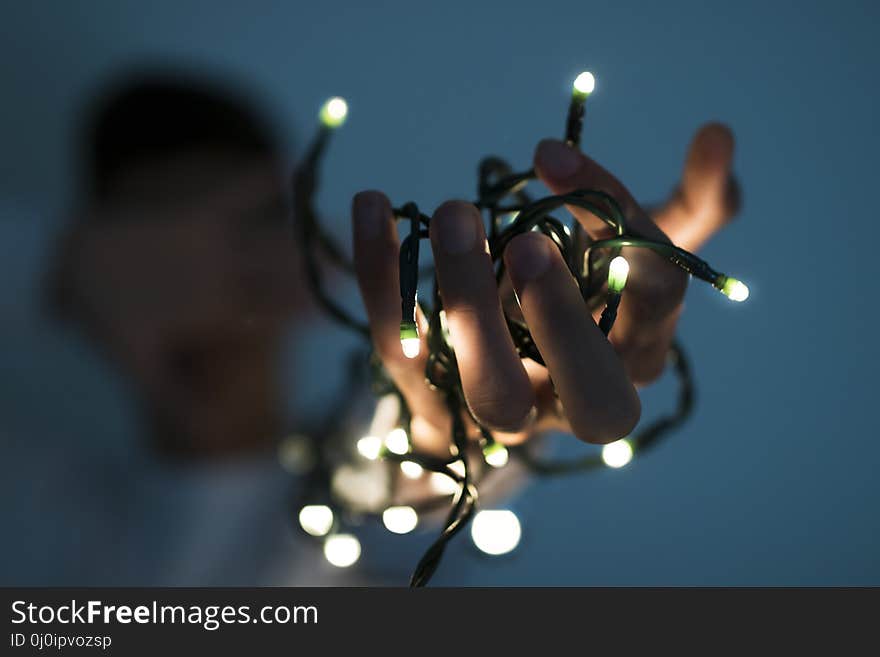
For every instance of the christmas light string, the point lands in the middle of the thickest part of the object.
(510, 212)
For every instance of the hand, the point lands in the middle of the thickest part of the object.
(592, 393)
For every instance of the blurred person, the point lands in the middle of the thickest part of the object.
(181, 265)
(154, 462)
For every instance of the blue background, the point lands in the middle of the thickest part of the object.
(774, 480)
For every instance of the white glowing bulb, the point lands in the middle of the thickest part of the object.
(409, 339)
(496, 531)
(397, 441)
(443, 484)
(410, 346)
(496, 455)
(342, 550)
(411, 469)
(370, 447)
(400, 519)
(618, 453)
(333, 112)
(618, 270)
(457, 467)
(735, 290)
(585, 83)
(316, 519)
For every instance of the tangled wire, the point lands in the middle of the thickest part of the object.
(597, 267)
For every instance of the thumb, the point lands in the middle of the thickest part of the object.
(708, 196)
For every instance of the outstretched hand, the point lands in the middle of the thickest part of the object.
(592, 393)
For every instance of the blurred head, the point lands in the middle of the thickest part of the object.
(180, 263)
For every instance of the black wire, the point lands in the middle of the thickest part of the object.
(501, 192)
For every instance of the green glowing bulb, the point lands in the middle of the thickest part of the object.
(618, 270)
(734, 289)
(333, 112)
(409, 339)
(584, 84)
(496, 455)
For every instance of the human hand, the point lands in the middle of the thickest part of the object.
(592, 392)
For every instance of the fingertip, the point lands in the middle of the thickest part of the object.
(456, 228)
(617, 420)
(370, 211)
(455, 210)
(623, 419)
(527, 257)
(556, 161)
(369, 200)
(713, 142)
(718, 131)
(511, 414)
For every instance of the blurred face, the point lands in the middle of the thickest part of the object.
(186, 274)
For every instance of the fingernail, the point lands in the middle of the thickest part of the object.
(370, 212)
(455, 226)
(556, 159)
(527, 257)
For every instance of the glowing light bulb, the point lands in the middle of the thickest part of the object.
(457, 467)
(370, 447)
(400, 519)
(316, 519)
(618, 270)
(584, 84)
(410, 346)
(333, 112)
(496, 531)
(397, 441)
(618, 453)
(409, 339)
(734, 289)
(442, 484)
(496, 455)
(411, 469)
(342, 550)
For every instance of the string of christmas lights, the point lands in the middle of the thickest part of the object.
(349, 479)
